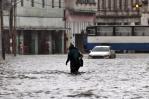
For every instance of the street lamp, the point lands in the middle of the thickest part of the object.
(137, 6)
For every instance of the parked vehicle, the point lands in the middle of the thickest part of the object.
(102, 52)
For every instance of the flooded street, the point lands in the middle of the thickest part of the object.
(47, 77)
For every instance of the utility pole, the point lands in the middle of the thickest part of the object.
(2, 30)
(10, 27)
(14, 28)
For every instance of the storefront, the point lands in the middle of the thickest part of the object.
(40, 41)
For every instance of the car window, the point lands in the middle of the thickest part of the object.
(97, 49)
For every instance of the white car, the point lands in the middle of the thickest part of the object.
(102, 52)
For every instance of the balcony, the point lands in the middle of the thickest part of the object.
(116, 14)
(83, 6)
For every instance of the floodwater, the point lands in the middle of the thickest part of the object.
(47, 77)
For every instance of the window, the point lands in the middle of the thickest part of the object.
(115, 4)
(32, 3)
(137, 23)
(109, 4)
(92, 1)
(43, 3)
(22, 3)
(126, 5)
(120, 4)
(145, 2)
(59, 3)
(99, 5)
(91, 31)
(85, 2)
(103, 4)
(52, 3)
(131, 4)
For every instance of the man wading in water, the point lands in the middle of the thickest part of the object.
(73, 57)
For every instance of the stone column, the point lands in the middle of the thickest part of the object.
(21, 42)
(62, 41)
(36, 42)
(50, 43)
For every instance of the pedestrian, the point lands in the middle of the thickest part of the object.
(73, 56)
(20, 48)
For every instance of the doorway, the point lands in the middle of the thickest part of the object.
(27, 42)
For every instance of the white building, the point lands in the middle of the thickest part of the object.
(40, 26)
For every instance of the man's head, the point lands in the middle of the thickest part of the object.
(71, 46)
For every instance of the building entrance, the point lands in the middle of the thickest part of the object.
(57, 42)
(27, 42)
(43, 43)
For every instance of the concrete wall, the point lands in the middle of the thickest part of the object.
(39, 11)
(40, 22)
(38, 16)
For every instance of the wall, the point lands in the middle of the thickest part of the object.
(38, 16)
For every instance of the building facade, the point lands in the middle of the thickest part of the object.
(78, 15)
(119, 12)
(49, 26)
(40, 28)
(145, 13)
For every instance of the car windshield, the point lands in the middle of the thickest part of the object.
(101, 49)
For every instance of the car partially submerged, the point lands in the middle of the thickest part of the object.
(102, 52)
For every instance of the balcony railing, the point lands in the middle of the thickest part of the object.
(103, 13)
